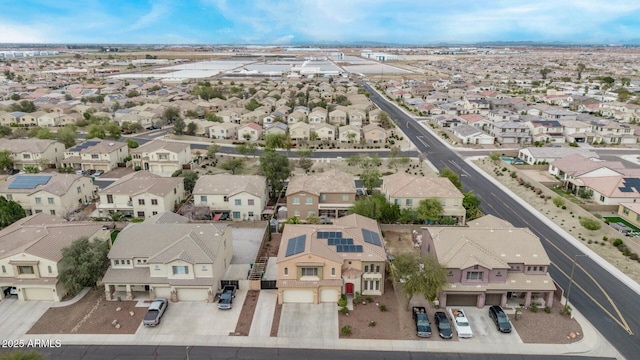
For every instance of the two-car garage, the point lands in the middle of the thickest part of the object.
(307, 296)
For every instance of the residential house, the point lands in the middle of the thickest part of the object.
(31, 254)
(472, 135)
(357, 117)
(276, 128)
(96, 154)
(296, 117)
(374, 134)
(510, 132)
(630, 212)
(224, 131)
(613, 132)
(475, 120)
(161, 157)
(545, 131)
(481, 270)
(241, 197)
(141, 194)
(164, 256)
(40, 153)
(539, 155)
(250, 132)
(50, 193)
(318, 263)
(318, 116)
(558, 115)
(407, 190)
(578, 131)
(328, 194)
(349, 134)
(338, 117)
(498, 115)
(324, 131)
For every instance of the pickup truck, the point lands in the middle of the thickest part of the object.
(155, 311)
(226, 297)
(423, 328)
(460, 322)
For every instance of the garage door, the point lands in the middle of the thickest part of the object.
(104, 168)
(189, 294)
(37, 293)
(297, 296)
(329, 295)
(162, 292)
(493, 299)
(462, 300)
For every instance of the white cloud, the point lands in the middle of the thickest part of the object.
(157, 12)
(283, 39)
(19, 34)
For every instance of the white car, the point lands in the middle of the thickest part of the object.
(11, 290)
(460, 322)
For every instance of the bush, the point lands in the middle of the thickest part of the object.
(383, 308)
(547, 310)
(346, 330)
(372, 323)
(344, 310)
(590, 224)
(342, 302)
(558, 201)
(566, 310)
(357, 298)
(533, 307)
(369, 299)
(617, 242)
(564, 207)
(633, 256)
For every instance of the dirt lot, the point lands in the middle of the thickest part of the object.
(534, 327)
(91, 315)
(246, 315)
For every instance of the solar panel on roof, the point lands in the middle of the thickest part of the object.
(328, 234)
(29, 181)
(84, 145)
(349, 248)
(630, 184)
(296, 245)
(371, 237)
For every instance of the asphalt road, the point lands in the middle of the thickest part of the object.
(95, 352)
(605, 301)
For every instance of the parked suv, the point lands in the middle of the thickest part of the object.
(500, 319)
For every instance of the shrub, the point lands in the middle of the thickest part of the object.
(547, 310)
(558, 201)
(617, 242)
(633, 256)
(566, 310)
(533, 307)
(369, 299)
(564, 207)
(372, 323)
(383, 308)
(590, 224)
(346, 330)
(344, 310)
(357, 298)
(342, 302)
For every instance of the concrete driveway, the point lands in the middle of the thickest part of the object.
(197, 318)
(484, 329)
(19, 316)
(309, 321)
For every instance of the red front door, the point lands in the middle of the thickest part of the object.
(349, 288)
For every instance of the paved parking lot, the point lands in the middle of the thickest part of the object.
(197, 318)
(309, 321)
(19, 316)
(484, 329)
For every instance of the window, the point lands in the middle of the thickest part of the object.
(162, 156)
(345, 197)
(225, 199)
(377, 268)
(251, 202)
(396, 201)
(236, 214)
(38, 200)
(50, 201)
(296, 201)
(333, 271)
(528, 268)
(408, 202)
(140, 201)
(116, 262)
(498, 273)
(237, 202)
(474, 275)
(377, 285)
(366, 285)
(624, 210)
(4, 269)
(9, 197)
(140, 214)
(25, 270)
(180, 270)
(366, 268)
(154, 213)
(309, 271)
(311, 213)
(52, 212)
(95, 156)
(297, 213)
(443, 202)
(26, 156)
(38, 211)
(49, 269)
(286, 271)
(203, 198)
(110, 199)
(154, 201)
(250, 214)
(323, 197)
(309, 201)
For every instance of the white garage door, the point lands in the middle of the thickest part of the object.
(189, 294)
(329, 295)
(297, 296)
(37, 293)
(162, 292)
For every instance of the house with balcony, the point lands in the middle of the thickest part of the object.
(578, 131)
(164, 256)
(407, 190)
(614, 132)
(40, 153)
(31, 254)
(510, 132)
(329, 194)
(161, 157)
(240, 197)
(545, 131)
(338, 117)
(96, 154)
(50, 193)
(490, 262)
(319, 263)
(141, 194)
(357, 117)
(276, 128)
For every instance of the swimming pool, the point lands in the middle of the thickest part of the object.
(512, 160)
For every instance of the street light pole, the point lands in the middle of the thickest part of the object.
(573, 268)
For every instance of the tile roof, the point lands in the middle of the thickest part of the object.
(141, 182)
(576, 165)
(156, 145)
(31, 145)
(403, 185)
(59, 184)
(229, 185)
(332, 181)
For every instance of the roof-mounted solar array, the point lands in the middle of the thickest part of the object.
(84, 145)
(371, 237)
(339, 241)
(29, 181)
(630, 184)
(349, 248)
(329, 234)
(296, 245)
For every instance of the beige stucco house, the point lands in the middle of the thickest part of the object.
(225, 131)
(31, 254)
(241, 197)
(49, 193)
(164, 256)
(329, 194)
(318, 263)
(374, 134)
(349, 134)
(40, 153)
(250, 132)
(96, 154)
(299, 131)
(161, 157)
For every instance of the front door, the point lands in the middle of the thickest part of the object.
(349, 288)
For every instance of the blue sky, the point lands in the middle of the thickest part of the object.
(300, 21)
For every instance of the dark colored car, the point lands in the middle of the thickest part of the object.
(500, 319)
(12, 171)
(444, 327)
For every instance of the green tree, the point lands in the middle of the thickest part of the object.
(252, 105)
(590, 224)
(22, 355)
(371, 179)
(132, 144)
(246, 148)
(84, 263)
(113, 130)
(305, 164)
(213, 150)
(580, 68)
(190, 178)
(544, 72)
(31, 169)
(171, 114)
(277, 141)
(585, 193)
(385, 121)
(558, 201)
(5, 131)
(67, 135)
(408, 216)
(234, 164)
(179, 126)
(452, 176)
(418, 275)
(24, 106)
(132, 93)
(471, 203)
(6, 161)
(213, 117)
(15, 97)
(276, 168)
(96, 131)
(192, 127)
(10, 212)
(430, 209)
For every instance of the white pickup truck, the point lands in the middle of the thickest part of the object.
(460, 322)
